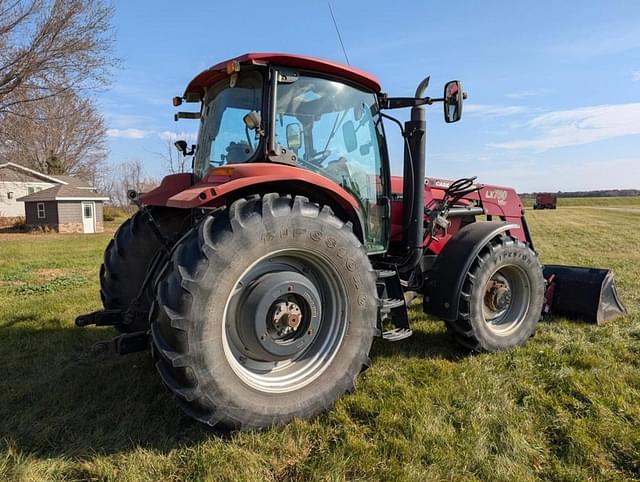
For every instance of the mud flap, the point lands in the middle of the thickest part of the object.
(587, 294)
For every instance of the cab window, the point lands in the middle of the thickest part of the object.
(336, 131)
(223, 137)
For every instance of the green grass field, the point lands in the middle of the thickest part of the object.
(565, 407)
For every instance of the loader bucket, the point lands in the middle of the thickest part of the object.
(587, 294)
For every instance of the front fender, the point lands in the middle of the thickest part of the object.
(444, 282)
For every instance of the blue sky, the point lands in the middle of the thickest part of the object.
(554, 87)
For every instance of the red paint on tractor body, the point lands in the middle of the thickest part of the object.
(220, 184)
(501, 203)
(213, 74)
(178, 191)
(170, 186)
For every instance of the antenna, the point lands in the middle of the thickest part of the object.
(344, 51)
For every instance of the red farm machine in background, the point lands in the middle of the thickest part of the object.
(260, 279)
(545, 200)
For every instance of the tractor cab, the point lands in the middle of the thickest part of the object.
(312, 114)
(313, 122)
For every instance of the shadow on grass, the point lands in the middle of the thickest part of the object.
(58, 399)
(434, 342)
(14, 320)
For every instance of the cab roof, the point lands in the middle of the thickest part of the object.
(206, 78)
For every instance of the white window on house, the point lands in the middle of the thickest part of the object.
(9, 195)
(41, 213)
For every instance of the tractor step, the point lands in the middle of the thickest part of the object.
(385, 273)
(100, 318)
(123, 344)
(391, 303)
(393, 307)
(397, 334)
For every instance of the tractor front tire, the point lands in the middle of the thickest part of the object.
(127, 259)
(266, 312)
(501, 298)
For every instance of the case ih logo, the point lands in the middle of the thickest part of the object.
(497, 194)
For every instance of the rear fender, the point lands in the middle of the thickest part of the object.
(444, 282)
(222, 186)
(170, 186)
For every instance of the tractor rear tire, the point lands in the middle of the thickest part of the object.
(127, 259)
(501, 298)
(218, 339)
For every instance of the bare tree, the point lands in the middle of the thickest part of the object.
(174, 161)
(48, 47)
(127, 175)
(64, 134)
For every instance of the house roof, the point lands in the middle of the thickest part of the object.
(8, 174)
(30, 175)
(64, 193)
(30, 172)
(73, 181)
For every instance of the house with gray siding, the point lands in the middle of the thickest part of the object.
(65, 208)
(17, 182)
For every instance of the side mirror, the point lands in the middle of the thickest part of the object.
(252, 120)
(453, 98)
(181, 146)
(349, 136)
(294, 136)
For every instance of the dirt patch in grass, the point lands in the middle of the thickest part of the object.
(50, 273)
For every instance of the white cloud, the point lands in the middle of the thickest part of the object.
(533, 175)
(493, 110)
(125, 121)
(609, 39)
(174, 136)
(521, 94)
(127, 133)
(636, 76)
(579, 126)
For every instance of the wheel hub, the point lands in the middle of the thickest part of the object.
(289, 357)
(498, 295)
(506, 299)
(279, 317)
(287, 317)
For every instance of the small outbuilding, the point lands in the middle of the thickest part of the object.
(65, 208)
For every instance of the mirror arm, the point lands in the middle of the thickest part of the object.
(401, 102)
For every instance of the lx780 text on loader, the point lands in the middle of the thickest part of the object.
(260, 279)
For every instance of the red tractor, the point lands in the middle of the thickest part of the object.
(260, 279)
